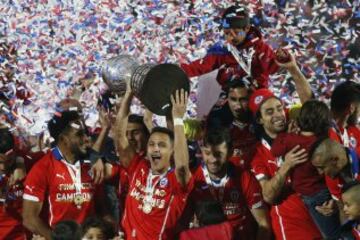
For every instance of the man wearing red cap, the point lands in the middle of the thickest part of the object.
(289, 216)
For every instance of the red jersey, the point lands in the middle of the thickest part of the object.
(305, 178)
(122, 178)
(62, 185)
(243, 143)
(153, 217)
(354, 138)
(219, 57)
(289, 216)
(335, 185)
(350, 138)
(11, 200)
(238, 192)
(356, 232)
(223, 231)
(10, 210)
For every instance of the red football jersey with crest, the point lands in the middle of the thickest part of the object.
(157, 218)
(243, 144)
(354, 139)
(240, 193)
(290, 218)
(50, 180)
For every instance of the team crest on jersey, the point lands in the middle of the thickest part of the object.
(258, 99)
(353, 142)
(234, 195)
(164, 182)
(237, 152)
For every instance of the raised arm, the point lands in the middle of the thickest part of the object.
(181, 153)
(302, 85)
(125, 151)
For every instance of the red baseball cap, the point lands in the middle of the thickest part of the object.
(258, 97)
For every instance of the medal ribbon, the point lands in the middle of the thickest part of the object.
(150, 187)
(213, 185)
(246, 66)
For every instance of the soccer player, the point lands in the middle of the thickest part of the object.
(336, 161)
(158, 190)
(235, 189)
(289, 217)
(345, 107)
(236, 116)
(62, 178)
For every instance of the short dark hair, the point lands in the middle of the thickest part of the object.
(210, 212)
(6, 140)
(315, 117)
(60, 122)
(343, 95)
(163, 130)
(236, 16)
(134, 118)
(216, 136)
(66, 230)
(94, 222)
(236, 83)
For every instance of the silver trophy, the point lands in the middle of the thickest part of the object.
(152, 84)
(117, 71)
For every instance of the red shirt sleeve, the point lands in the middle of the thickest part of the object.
(259, 165)
(263, 64)
(251, 190)
(202, 66)
(334, 185)
(37, 181)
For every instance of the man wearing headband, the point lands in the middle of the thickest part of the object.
(63, 178)
(244, 54)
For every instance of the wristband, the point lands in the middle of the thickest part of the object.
(178, 122)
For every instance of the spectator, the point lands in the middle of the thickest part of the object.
(213, 224)
(66, 230)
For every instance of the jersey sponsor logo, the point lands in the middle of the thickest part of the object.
(30, 188)
(60, 176)
(138, 192)
(231, 208)
(69, 197)
(71, 186)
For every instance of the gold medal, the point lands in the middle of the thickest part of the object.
(78, 200)
(147, 208)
